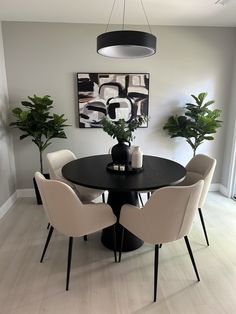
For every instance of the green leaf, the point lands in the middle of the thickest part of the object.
(23, 136)
(17, 111)
(196, 99)
(210, 102)
(209, 138)
(202, 96)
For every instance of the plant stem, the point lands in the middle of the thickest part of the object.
(41, 160)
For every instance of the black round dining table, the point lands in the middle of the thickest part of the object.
(122, 186)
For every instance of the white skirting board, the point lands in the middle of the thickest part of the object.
(214, 187)
(30, 193)
(8, 204)
(25, 193)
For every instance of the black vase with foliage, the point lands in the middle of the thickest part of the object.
(37, 122)
(123, 132)
(197, 124)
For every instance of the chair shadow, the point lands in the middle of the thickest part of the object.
(154, 305)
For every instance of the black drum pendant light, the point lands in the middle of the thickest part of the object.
(126, 43)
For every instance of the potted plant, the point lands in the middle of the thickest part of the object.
(37, 122)
(123, 132)
(197, 124)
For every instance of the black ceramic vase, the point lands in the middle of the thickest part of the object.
(120, 153)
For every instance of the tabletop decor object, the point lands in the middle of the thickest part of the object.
(137, 158)
(122, 169)
(114, 95)
(198, 123)
(123, 132)
(37, 122)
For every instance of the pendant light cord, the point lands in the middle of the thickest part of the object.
(123, 23)
(114, 2)
(146, 16)
(124, 8)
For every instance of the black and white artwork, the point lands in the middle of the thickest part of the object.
(117, 96)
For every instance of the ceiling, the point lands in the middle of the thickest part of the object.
(159, 12)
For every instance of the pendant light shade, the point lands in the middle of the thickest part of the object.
(126, 44)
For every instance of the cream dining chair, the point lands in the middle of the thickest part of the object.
(167, 216)
(68, 215)
(200, 167)
(56, 160)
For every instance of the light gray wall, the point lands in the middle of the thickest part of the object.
(42, 58)
(7, 169)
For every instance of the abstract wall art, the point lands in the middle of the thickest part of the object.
(117, 96)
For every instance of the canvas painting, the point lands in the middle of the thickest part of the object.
(116, 96)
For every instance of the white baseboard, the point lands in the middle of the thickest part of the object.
(217, 187)
(8, 204)
(224, 190)
(20, 193)
(214, 187)
(25, 193)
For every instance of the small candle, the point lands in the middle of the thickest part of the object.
(115, 167)
(122, 168)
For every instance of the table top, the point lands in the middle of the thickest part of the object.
(91, 172)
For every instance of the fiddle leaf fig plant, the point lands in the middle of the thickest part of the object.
(122, 130)
(37, 122)
(197, 124)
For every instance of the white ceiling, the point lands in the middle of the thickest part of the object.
(159, 12)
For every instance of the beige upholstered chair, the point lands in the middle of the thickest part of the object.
(167, 216)
(200, 167)
(56, 161)
(68, 215)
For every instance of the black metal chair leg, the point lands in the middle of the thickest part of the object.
(69, 262)
(114, 237)
(156, 261)
(121, 243)
(85, 238)
(140, 198)
(203, 225)
(103, 198)
(48, 225)
(47, 242)
(191, 256)
(148, 195)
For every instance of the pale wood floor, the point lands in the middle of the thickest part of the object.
(98, 285)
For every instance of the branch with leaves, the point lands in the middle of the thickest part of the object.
(121, 130)
(198, 123)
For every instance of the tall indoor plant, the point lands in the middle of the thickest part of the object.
(37, 122)
(123, 132)
(197, 124)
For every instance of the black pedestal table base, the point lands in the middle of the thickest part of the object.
(131, 242)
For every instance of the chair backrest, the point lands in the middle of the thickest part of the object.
(201, 167)
(63, 208)
(169, 213)
(56, 160)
